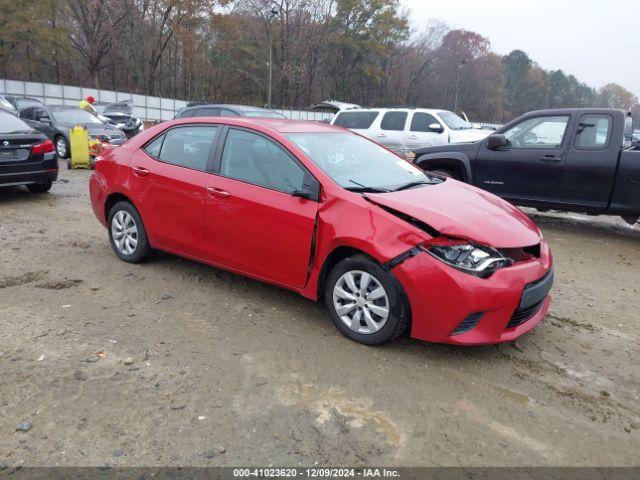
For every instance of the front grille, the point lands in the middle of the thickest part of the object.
(468, 323)
(521, 254)
(521, 315)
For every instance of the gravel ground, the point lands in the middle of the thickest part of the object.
(176, 363)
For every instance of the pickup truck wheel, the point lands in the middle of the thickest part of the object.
(631, 220)
(446, 173)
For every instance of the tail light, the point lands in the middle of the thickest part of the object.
(44, 147)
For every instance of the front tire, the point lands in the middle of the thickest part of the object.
(62, 147)
(127, 234)
(40, 187)
(365, 302)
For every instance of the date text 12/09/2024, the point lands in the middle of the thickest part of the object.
(315, 473)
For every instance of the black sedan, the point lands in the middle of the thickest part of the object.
(27, 157)
(21, 102)
(56, 121)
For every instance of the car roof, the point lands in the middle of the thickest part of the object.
(556, 111)
(62, 107)
(231, 106)
(22, 97)
(399, 109)
(282, 126)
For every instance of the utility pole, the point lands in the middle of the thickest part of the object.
(273, 12)
(455, 105)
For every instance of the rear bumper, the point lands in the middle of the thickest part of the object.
(98, 195)
(441, 298)
(28, 173)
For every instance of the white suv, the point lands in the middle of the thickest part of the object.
(406, 129)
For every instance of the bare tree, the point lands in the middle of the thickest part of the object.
(97, 23)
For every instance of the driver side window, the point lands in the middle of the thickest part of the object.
(538, 133)
(252, 158)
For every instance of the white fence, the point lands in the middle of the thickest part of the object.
(305, 115)
(144, 107)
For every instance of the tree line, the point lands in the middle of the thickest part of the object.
(358, 51)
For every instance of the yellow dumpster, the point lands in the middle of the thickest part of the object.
(79, 147)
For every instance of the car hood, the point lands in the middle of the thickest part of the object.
(458, 210)
(470, 135)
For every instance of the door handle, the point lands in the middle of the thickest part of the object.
(413, 137)
(381, 135)
(551, 158)
(140, 171)
(217, 192)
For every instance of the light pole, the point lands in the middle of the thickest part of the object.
(455, 105)
(273, 12)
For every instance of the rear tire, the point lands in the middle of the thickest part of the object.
(372, 304)
(446, 173)
(40, 187)
(127, 234)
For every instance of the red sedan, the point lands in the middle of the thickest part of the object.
(327, 213)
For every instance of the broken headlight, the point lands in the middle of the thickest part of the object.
(478, 260)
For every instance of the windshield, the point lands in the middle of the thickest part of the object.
(263, 114)
(74, 115)
(453, 121)
(11, 124)
(356, 163)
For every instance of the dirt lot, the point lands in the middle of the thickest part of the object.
(176, 363)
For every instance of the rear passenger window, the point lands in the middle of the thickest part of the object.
(153, 148)
(593, 132)
(355, 120)
(394, 121)
(188, 147)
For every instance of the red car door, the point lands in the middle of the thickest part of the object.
(168, 183)
(253, 223)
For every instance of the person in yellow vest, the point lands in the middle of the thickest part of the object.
(87, 104)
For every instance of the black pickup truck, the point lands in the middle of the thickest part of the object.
(577, 159)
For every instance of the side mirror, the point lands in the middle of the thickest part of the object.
(436, 128)
(497, 140)
(310, 189)
(45, 120)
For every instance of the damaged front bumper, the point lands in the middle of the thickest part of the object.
(450, 306)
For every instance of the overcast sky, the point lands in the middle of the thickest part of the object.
(598, 41)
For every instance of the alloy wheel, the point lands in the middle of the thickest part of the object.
(124, 232)
(61, 147)
(361, 302)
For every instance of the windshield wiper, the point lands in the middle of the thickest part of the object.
(364, 188)
(413, 184)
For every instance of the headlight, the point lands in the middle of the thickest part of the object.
(477, 260)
